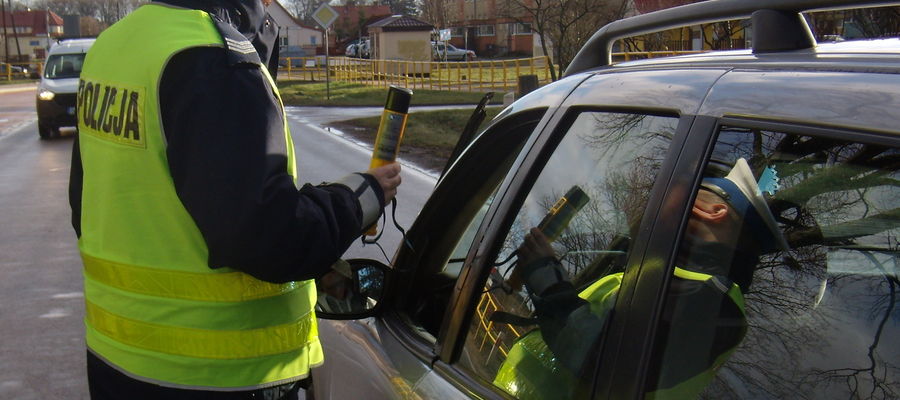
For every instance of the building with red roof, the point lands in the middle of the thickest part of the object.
(26, 35)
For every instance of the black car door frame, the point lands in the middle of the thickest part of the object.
(629, 339)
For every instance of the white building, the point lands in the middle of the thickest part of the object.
(295, 39)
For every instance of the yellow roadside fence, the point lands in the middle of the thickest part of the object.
(468, 76)
(497, 336)
(14, 71)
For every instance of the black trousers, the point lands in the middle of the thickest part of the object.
(107, 383)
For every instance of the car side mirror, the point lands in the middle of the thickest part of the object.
(353, 289)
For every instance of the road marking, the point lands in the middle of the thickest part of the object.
(71, 295)
(55, 313)
(18, 89)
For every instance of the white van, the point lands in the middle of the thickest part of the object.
(59, 85)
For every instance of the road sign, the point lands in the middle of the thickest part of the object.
(445, 35)
(325, 15)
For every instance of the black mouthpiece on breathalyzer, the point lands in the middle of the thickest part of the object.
(560, 215)
(398, 99)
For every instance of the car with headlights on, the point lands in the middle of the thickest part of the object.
(58, 87)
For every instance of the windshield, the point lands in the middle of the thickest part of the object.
(61, 66)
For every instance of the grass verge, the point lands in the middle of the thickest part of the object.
(429, 138)
(299, 93)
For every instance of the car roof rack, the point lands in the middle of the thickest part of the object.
(779, 25)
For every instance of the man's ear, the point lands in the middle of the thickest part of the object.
(713, 212)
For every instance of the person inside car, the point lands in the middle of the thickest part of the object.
(730, 227)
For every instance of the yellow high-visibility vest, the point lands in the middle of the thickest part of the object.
(154, 309)
(532, 371)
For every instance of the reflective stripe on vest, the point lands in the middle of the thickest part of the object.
(205, 343)
(733, 291)
(228, 286)
(154, 309)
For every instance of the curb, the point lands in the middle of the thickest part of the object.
(17, 88)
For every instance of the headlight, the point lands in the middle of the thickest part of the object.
(46, 95)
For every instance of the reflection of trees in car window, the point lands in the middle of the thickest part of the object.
(823, 317)
(613, 158)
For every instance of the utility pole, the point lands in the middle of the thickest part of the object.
(5, 37)
(12, 20)
(47, 28)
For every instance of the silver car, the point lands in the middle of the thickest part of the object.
(447, 52)
(639, 295)
(55, 102)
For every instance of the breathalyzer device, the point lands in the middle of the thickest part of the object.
(390, 132)
(561, 214)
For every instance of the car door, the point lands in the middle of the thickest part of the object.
(391, 355)
(615, 139)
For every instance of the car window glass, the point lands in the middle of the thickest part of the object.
(458, 256)
(64, 66)
(542, 313)
(452, 230)
(792, 292)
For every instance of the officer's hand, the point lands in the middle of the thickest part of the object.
(535, 247)
(388, 176)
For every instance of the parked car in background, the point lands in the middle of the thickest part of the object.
(441, 51)
(13, 71)
(801, 139)
(59, 86)
(364, 49)
(351, 50)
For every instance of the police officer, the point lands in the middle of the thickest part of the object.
(198, 248)
(730, 227)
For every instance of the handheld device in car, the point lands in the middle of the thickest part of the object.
(562, 212)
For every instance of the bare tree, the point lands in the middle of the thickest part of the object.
(107, 12)
(566, 24)
(436, 12)
(721, 35)
(868, 22)
(303, 9)
(404, 7)
(84, 8)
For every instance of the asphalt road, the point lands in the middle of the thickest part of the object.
(41, 329)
